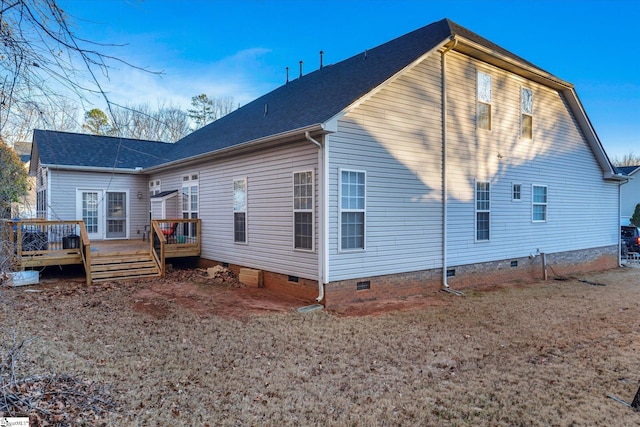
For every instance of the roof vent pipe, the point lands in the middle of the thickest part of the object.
(321, 55)
(287, 75)
(301, 68)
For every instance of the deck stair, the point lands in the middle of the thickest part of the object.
(122, 265)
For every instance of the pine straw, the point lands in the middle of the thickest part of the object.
(59, 400)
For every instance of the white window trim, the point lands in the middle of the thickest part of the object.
(245, 211)
(312, 210)
(489, 103)
(513, 199)
(340, 211)
(155, 186)
(476, 211)
(522, 113)
(546, 204)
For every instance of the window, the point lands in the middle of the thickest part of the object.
(303, 210)
(526, 111)
(154, 187)
(539, 203)
(484, 101)
(352, 210)
(483, 197)
(190, 203)
(516, 192)
(41, 204)
(240, 210)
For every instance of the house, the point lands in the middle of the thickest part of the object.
(629, 193)
(437, 159)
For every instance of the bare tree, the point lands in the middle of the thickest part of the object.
(629, 159)
(40, 57)
(166, 123)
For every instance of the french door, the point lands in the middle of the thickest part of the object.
(104, 213)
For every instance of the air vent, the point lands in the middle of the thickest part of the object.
(361, 286)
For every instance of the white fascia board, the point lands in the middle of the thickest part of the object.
(318, 127)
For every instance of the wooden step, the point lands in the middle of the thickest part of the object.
(123, 265)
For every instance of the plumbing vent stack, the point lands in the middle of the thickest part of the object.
(287, 74)
(321, 54)
(301, 68)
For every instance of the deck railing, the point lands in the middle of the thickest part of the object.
(174, 237)
(38, 243)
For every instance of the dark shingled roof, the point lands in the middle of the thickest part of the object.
(310, 100)
(626, 170)
(317, 97)
(76, 149)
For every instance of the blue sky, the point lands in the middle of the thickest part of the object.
(241, 48)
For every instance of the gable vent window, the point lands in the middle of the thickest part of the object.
(484, 101)
(526, 111)
(516, 193)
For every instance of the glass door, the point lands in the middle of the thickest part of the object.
(116, 215)
(89, 210)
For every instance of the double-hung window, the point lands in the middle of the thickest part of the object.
(303, 210)
(352, 209)
(539, 208)
(483, 211)
(240, 210)
(484, 101)
(190, 203)
(526, 113)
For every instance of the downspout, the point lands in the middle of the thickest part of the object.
(445, 190)
(321, 240)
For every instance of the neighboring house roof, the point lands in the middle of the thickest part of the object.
(94, 151)
(628, 170)
(311, 102)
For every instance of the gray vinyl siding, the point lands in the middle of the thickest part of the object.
(63, 186)
(395, 137)
(629, 198)
(582, 207)
(269, 175)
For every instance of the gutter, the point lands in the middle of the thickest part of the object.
(271, 138)
(445, 201)
(137, 170)
(321, 215)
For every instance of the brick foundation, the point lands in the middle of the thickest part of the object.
(280, 283)
(425, 282)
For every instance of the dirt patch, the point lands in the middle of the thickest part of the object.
(183, 350)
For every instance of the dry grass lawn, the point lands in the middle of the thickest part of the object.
(182, 351)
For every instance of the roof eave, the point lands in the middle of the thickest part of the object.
(490, 56)
(248, 145)
(76, 168)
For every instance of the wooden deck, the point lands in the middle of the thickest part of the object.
(39, 243)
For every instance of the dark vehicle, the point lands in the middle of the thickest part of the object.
(631, 237)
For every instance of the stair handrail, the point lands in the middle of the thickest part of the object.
(85, 250)
(157, 236)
